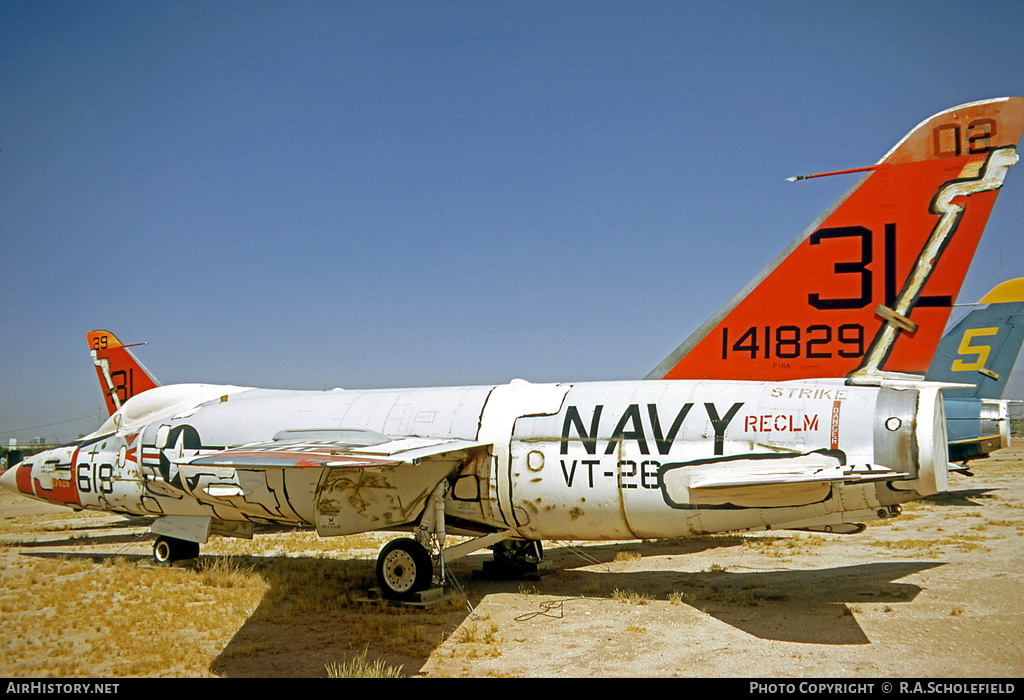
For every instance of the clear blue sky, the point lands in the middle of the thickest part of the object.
(374, 194)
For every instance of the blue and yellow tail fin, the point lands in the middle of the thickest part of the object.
(982, 348)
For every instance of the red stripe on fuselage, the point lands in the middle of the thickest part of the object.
(24, 477)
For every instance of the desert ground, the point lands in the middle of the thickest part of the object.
(935, 593)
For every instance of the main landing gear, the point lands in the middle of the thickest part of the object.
(405, 567)
(514, 559)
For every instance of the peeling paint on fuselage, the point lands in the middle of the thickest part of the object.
(573, 461)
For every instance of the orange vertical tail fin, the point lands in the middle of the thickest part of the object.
(868, 288)
(121, 375)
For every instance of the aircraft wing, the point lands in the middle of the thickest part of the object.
(976, 438)
(321, 454)
(350, 488)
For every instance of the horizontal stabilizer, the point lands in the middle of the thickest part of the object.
(976, 439)
(764, 480)
(796, 470)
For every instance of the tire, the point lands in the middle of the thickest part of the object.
(404, 569)
(519, 554)
(167, 550)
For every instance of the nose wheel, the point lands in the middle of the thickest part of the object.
(167, 550)
(404, 569)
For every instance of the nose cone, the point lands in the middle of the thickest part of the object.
(9, 479)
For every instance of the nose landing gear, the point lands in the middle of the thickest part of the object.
(167, 550)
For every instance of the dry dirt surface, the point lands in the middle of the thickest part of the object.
(935, 593)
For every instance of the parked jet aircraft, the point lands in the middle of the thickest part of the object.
(511, 465)
(981, 349)
(985, 343)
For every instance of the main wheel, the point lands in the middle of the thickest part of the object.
(514, 559)
(404, 569)
(522, 555)
(167, 550)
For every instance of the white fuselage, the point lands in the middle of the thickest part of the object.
(601, 460)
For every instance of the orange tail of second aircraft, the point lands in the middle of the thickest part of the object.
(869, 286)
(121, 375)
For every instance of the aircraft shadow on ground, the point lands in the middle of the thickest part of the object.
(79, 540)
(807, 606)
(959, 498)
(307, 618)
(814, 606)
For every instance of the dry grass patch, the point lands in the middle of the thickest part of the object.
(724, 595)
(299, 543)
(933, 547)
(75, 617)
(631, 597)
(472, 633)
(783, 546)
(744, 592)
(360, 667)
(97, 616)
(481, 639)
